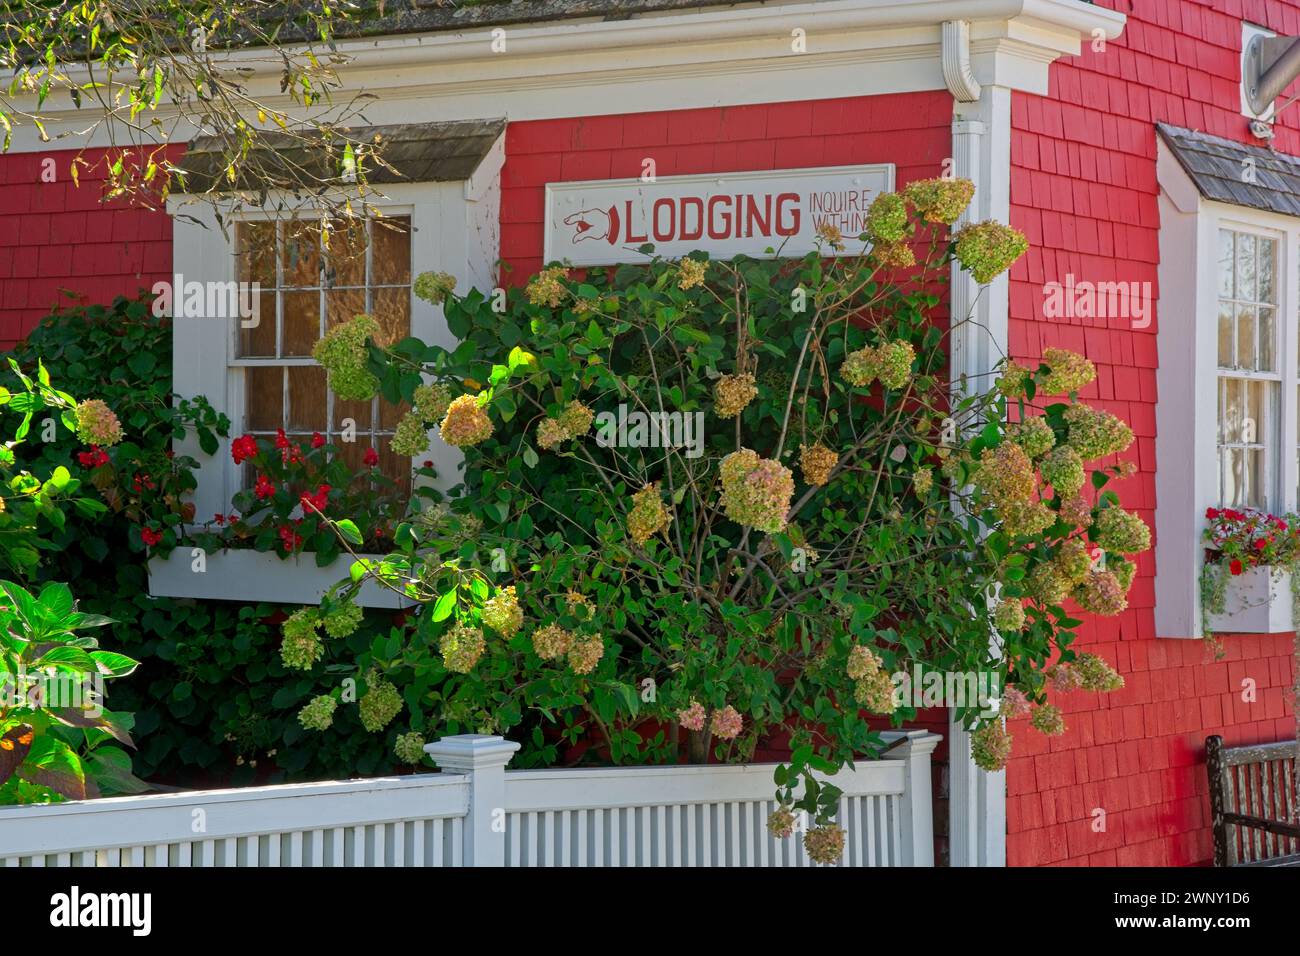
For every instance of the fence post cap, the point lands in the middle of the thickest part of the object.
(910, 742)
(465, 752)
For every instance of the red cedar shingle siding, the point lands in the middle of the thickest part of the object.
(1083, 188)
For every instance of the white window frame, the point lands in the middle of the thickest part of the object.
(455, 229)
(1187, 381)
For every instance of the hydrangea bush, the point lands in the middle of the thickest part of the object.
(710, 505)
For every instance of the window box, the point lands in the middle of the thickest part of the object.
(1258, 601)
(238, 575)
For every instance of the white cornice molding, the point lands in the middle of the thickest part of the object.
(731, 55)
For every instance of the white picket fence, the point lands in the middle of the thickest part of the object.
(477, 813)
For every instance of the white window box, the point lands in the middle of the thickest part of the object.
(1258, 601)
(250, 576)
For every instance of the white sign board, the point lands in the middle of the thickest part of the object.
(726, 214)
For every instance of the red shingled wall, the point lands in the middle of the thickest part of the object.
(1083, 188)
(56, 236)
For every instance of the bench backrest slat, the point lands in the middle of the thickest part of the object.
(1255, 781)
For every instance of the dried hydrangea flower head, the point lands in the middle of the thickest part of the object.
(1121, 532)
(1101, 593)
(895, 255)
(1063, 469)
(816, 462)
(467, 423)
(586, 652)
(895, 363)
(830, 234)
(550, 434)
(1009, 615)
(1067, 372)
(552, 641)
(576, 419)
(1094, 433)
(1014, 380)
(733, 393)
(988, 249)
(1072, 561)
(726, 723)
(940, 201)
(780, 823)
(1047, 719)
(96, 423)
(861, 367)
(1005, 474)
(1035, 436)
(690, 273)
(461, 647)
(547, 287)
(756, 492)
(342, 352)
(648, 516)
(991, 746)
(1014, 702)
(825, 844)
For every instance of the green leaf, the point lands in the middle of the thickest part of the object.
(114, 664)
(446, 604)
(347, 527)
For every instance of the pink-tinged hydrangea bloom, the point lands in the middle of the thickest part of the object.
(1047, 586)
(1005, 474)
(991, 746)
(96, 423)
(1014, 702)
(1065, 677)
(550, 433)
(1101, 594)
(552, 641)
(467, 423)
(586, 652)
(824, 844)
(693, 717)
(780, 823)
(896, 255)
(1047, 719)
(863, 662)
(1026, 517)
(1077, 511)
(1096, 674)
(726, 723)
(756, 492)
(1014, 380)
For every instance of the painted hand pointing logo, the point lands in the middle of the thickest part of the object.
(594, 224)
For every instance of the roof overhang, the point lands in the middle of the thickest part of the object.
(1226, 171)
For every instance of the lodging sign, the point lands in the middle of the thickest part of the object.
(602, 222)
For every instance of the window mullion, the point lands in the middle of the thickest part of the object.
(1288, 322)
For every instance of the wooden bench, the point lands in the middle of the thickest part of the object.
(1254, 803)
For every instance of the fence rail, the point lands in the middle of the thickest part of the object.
(477, 813)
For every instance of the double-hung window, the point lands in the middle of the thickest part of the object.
(1228, 348)
(310, 280)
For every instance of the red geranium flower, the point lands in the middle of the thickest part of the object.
(150, 537)
(372, 457)
(219, 518)
(317, 440)
(281, 439)
(1211, 513)
(264, 488)
(243, 448)
(1235, 567)
(318, 501)
(289, 538)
